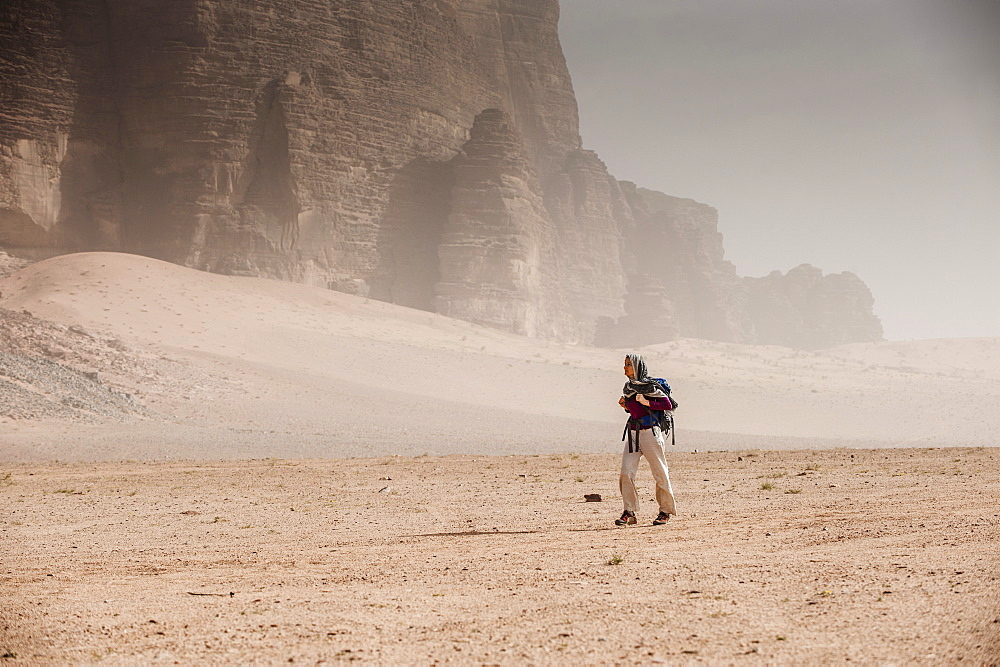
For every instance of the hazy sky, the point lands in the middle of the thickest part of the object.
(855, 135)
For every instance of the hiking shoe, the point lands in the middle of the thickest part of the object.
(627, 519)
(661, 519)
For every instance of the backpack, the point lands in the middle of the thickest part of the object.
(666, 390)
(662, 418)
(665, 418)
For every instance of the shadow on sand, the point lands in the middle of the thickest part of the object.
(473, 533)
(468, 533)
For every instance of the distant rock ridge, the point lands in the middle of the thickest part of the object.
(806, 309)
(425, 153)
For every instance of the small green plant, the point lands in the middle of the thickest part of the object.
(766, 486)
(579, 479)
(812, 466)
(615, 560)
(9, 654)
(6, 480)
(794, 491)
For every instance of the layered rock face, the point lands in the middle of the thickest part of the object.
(681, 285)
(498, 259)
(423, 152)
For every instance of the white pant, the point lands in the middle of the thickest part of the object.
(650, 446)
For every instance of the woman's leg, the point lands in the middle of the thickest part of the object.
(651, 444)
(626, 481)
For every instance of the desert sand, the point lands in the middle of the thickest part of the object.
(202, 468)
(884, 556)
(243, 367)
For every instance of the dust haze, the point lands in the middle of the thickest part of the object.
(227, 367)
(197, 467)
(853, 135)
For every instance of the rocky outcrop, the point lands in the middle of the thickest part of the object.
(806, 309)
(681, 286)
(591, 216)
(9, 264)
(425, 153)
(50, 371)
(497, 250)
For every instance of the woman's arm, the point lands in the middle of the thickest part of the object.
(661, 403)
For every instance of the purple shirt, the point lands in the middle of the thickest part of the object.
(638, 410)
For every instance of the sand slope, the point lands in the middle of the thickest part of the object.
(237, 367)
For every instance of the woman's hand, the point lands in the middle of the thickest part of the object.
(642, 399)
(621, 402)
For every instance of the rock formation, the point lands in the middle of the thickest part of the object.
(681, 285)
(806, 309)
(423, 152)
(497, 249)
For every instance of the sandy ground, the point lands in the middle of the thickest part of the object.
(230, 368)
(871, 556)
(207, 469)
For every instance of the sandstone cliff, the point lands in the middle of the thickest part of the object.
(423, 152)
(497, 249)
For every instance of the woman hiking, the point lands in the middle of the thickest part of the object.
(640, 396)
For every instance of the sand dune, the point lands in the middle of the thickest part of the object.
(251, 367)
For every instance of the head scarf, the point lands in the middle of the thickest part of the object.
(642, 384)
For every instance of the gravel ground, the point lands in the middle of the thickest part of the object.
(36, 388)
(10, 264)
(795, 557)
(50, 371)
